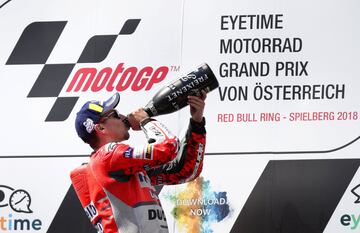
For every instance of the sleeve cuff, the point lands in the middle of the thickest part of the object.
(146, 120)
(198, 127)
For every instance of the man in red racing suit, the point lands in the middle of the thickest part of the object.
(116, 188)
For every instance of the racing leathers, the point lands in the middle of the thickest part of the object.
(116, 188)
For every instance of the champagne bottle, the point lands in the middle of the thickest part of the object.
(173, 97)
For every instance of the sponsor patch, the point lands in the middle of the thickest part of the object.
(148, 152)
(156, 131)
(95, 107)
(147, 167)
(91, 211)
(111, 146)
(129, 152)
(99, 227)
(138, 153)
(89, 125)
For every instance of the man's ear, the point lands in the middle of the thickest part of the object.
(99, 128)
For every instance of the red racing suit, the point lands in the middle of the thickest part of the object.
(116, 188)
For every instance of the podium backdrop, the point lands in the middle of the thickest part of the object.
(283, 128)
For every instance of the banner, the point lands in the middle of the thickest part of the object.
(282, 149)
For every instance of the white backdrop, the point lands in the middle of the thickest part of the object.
(37, 155)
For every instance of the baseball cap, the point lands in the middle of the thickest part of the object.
(90, 114)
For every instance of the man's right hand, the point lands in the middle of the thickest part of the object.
(197, 105)
(136, 117)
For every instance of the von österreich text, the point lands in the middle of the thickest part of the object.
(282, 92)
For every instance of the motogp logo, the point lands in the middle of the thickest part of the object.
(38, 41)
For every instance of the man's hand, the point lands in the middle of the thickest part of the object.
(136, 117)
(197, 105)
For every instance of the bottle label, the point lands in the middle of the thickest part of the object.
(191, 82)
(153, 110)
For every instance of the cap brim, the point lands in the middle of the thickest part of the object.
(112, 102)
